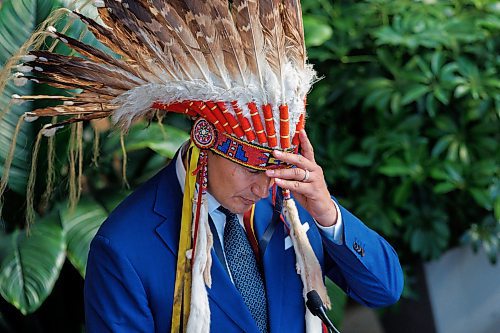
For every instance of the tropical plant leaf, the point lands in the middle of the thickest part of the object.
(18, 20)
(30, 265)
(81, 225)
(163, 139)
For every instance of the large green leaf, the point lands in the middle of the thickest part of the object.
(316, 31)
(163, 139)
(81, 225)
(18, 20)
(31, 265)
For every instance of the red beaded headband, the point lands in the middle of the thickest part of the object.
(233, 137)
(217, 114)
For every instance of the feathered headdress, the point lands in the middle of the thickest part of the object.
(237, 67)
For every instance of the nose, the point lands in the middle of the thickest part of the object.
(261, 185)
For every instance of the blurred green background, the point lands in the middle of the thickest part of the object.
(405, 122)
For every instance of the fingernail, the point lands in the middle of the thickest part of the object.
(277, 153)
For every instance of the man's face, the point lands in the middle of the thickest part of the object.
(234, 186)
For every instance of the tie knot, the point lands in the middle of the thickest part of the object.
(227, 212)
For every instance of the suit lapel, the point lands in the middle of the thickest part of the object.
(223, 293)
(283, 284)
(273, 262)
(168, 204)
(228, 298)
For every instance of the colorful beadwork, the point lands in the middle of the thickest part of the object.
(203, 134)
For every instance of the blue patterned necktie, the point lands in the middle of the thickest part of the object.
(244, 270)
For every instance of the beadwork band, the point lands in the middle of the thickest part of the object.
(250, 155)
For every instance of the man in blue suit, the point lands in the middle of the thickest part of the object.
(130, 278)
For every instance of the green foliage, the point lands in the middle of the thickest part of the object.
(406, 119)
(30, 265)
(81, 225)
(18, 20)
(406, 123)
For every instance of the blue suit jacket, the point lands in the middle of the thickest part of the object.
(131, 268)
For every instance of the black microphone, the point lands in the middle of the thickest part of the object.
(315, 305)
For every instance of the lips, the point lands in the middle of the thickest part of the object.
(247, 201)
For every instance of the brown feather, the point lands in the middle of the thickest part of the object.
(153, 37)
(72, 110)
(68, 69)
(291, 15)
(99, 56)
(274, 36)
(229, 40)
(178, 39)
(126, 28)
(85, 117)
(196, 15)
(245, 13)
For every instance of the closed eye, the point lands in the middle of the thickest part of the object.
(253, 171)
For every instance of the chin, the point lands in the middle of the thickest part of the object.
(238, 207)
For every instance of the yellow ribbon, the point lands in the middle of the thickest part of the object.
(182, 288)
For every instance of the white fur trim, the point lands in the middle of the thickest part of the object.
(199, 312)
(16, 99)
(136, 102)
(313, 323)
(24, 68)
(307, 264)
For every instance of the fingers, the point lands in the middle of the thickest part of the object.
(305, 177)
(298, 174)
(306, 146)
(304, 161)
(298, 160)
(293, 185)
